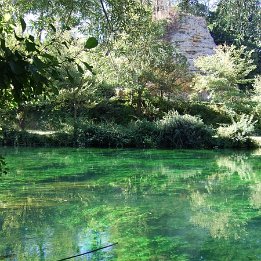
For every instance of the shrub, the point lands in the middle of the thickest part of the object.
(143, 134)
(223, 72)
(3, 168)
(113, 111)
(62, 139)
(210, 114)
(237, 133)
(183, 131)
(103, 135)
(13, 137)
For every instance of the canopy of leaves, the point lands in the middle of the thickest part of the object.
(238, 22)
(224, 72)
(31, 64)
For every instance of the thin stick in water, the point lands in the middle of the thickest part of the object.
(100, 248)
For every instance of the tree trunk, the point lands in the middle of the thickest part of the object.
(21, 113)
(139, 101)
(75, 123)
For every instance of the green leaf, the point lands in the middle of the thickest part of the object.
(92, 42)
(80, 69)
(23, 24)
(53, 28)
(48, 56)
(55, 90)
(39, 79)
(66, 44)
(89, 67)
(17, 56)
(31, 38)
(39, 64)
(30, 47)
(2, 44)
(20, 39)
(71, 79)
(55, 74)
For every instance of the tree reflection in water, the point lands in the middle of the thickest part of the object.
(159, 205)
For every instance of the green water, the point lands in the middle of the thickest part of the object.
(157, 204)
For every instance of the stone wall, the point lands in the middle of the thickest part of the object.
(190, 34)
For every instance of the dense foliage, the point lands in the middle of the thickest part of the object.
(224, 72)
(238, 23)
(103, 73)
(173, 131)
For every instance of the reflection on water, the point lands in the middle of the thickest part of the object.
(255, 198)
(237, 164)
(218, 214)
(158, 205)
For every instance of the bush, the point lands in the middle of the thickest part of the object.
(112, 111)
(13, 137)
(103, 135)
(143, 134)
(224, 72)
(62, 139)
(237, 133)
(183, 131)
(3, 168)
(173, 131)
(210, 114)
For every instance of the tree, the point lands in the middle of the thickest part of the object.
(238, 22)
(194, 7)
(223, 73)
(23, 63)
(28, 66)
(240, 19)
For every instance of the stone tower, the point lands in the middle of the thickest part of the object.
(188, 33)
(191, 36)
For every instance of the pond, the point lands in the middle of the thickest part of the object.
(156, 204)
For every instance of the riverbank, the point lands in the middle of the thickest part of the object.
(122, 137)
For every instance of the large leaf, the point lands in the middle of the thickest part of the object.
(53, 28)
(31, 38)
(92, 42)
(30, 47)
(89, 67)
(56, 75)
(2, 44)
(71, 79)
(39, 64)
(23, 24)
(80, 69)
(50, 59)
(18, 38)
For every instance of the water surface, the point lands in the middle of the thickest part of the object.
(157, 204)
